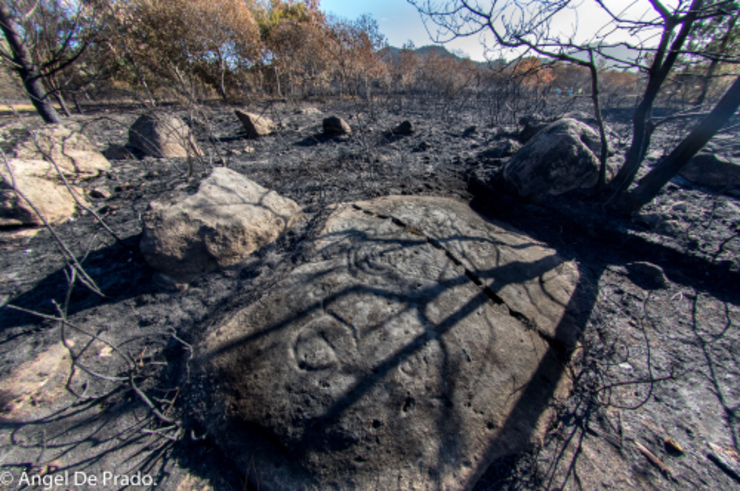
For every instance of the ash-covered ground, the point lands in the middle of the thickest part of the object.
(658, 359)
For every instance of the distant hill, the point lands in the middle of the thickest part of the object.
(423, 51)
(619, 52)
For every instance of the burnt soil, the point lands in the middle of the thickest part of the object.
(657, 360)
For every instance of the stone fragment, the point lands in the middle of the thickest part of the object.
(334, 126)
(226, 220)
(560, 158)
(162, 135)
(408, 353)
(99, 192)
(71, 151)
(256, 125)
(422, 147)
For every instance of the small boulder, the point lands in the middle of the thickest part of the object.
(52, 200)
(422, 147)
(256, 125)
(226, 220)
(560, 158)
(405, 128)
(39, 182)
(76, 157)
(162, 135)
(712, 170)
(334, 126)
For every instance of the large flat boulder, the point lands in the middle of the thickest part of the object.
(71, 151)
(226, 220)
(418, 344)
(712, 170)
(255, 125)
(561, 157)
(162, 135)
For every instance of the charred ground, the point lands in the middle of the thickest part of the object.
(656, 361)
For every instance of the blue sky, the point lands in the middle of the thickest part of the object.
(399, 21)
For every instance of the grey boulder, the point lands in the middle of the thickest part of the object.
(256, 125)
(226, 220)
(560, 158)
(162, 135)
(336, 126)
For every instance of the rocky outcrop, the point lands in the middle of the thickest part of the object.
(162, 135)
(336, 126)
(712, 171)
(33, 178)
(562, 157)
(419, 344)
(71, 151)
(226, 220)
(42, 162)
(256, 125)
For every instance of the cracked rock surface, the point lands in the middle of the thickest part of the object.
(402, 355)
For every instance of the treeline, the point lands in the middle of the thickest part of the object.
(239, 49)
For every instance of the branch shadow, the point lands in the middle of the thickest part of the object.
(318, 426)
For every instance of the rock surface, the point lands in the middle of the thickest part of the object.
(403, 356)
(41, 184)
(51, 199)
(34, 384)
(560, 158)
(162, 135)
(72, 152)
(712, 171)
(228, 218)
(334, 125)
(255, 125)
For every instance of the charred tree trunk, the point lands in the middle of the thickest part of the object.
(26, 70)
(642, 126)
(651, 184)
